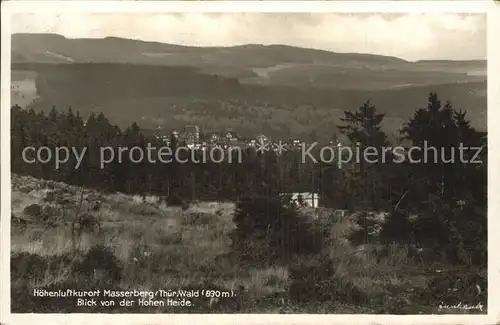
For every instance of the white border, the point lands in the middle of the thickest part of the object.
(481, 6)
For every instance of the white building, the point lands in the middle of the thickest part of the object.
(309, 199)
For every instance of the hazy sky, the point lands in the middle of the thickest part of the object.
(408, 36)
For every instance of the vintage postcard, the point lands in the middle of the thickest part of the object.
(250, 162)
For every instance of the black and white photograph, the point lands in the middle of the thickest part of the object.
(218, 162)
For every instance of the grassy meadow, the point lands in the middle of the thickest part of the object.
(143, 244)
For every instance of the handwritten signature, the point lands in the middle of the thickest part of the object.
(460, 305)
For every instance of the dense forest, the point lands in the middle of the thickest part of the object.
(449, 197)
(170, 96)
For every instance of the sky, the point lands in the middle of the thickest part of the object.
(436, 36)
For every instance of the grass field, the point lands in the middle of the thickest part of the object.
(145, 245)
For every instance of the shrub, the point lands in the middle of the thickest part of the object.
(275, 228)
(396, 228)
(316, 280)
(174, 200)
(452, 287)
(33, 267)
(198, 218)
(143, 209)
(100, 266)
(33, 210)
(458, 232)
(27, 266)
(49, 214)
(367, 231)
(39, 213)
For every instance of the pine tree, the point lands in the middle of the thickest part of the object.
(364, 130)
(441, 191)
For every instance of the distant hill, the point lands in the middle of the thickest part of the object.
(272, 64)
(279, 90)
(53, 48)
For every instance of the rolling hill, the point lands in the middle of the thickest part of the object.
(272, 64)
(278, 89)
